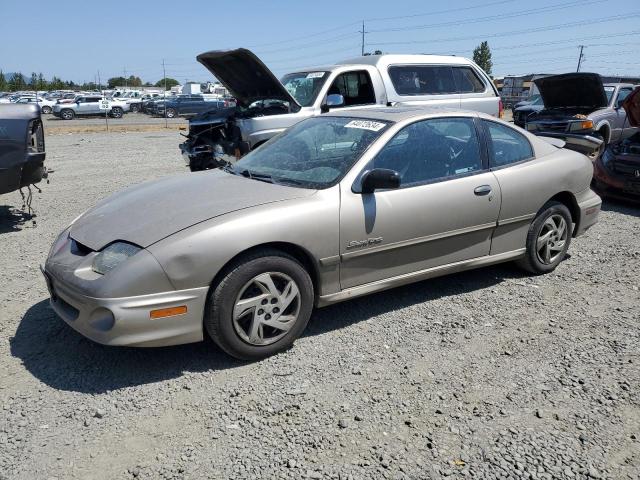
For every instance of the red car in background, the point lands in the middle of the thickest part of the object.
(617, 171)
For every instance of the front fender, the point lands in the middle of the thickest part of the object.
(192, 257)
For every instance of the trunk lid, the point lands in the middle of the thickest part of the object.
(145, 214)
(583, 91)
(245, 76)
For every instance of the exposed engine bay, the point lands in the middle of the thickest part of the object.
(215, 139)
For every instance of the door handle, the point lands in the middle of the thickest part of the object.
(482, 190)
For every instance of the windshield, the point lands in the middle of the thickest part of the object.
(304, 86)
(609, 92)
(315, 153)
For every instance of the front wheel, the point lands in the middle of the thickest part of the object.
(67, 114)
(171, 113)
(116, 112)
(46, 109)
(548, 239)
(260, 306)
(135, 108)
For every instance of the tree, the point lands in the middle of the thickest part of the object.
(171, 82)
(3, 82)
(33, 81)
(482, 57)
(17, 82)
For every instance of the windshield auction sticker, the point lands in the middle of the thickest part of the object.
(315, 75)
(366, 125)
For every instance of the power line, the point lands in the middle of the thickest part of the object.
(518, 32)
(491, 18)
(451, 10)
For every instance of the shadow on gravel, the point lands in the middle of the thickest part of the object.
(353, 311)
(58, 356)
(12, 219)
(625, 207)
(63, 359)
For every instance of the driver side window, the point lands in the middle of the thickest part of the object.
(355, 87)
(431, 150)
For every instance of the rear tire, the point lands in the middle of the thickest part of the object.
(116, 112)
(135, 108)
(171, 113)
(548, 239)
(261, 305)
(46, 110)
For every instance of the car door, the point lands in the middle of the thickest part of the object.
(444, 212)
(92, 105)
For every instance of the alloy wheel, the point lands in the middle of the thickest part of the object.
(552, 239)
(266, 308)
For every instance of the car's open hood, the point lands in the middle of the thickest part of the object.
(245, 76)
(631, 105)
(572, 90)
(146, 213)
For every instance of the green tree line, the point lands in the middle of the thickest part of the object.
(18, 81)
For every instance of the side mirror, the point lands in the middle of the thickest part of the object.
(333, 101)
(380, 178)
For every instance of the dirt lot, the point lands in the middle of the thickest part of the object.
(486, 374)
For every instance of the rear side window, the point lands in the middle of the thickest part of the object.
(506, 146)
(467, 81)
(422, 79)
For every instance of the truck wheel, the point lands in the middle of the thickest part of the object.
(171, 113)
(116, 112)
(67, 114)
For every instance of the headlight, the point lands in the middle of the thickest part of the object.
(112, 256)
(583, 125)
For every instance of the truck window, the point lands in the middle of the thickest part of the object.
(422, 79)
(467, 80)
(355, 87)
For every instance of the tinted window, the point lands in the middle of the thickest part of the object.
(623, 94)
(92, 100)
(355, 87)
(432, 149)
(422, 79)
(467, 81)
(506, 145)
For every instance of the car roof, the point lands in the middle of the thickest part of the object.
(404, 112)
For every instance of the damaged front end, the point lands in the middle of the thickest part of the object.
(214, 140)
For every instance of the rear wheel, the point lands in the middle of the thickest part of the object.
(67, 114)
(548, 239)
(116, 112)
(171, 113)
(46, 109)
(260, 306)
(135, 108)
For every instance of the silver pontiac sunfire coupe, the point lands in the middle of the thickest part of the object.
(338, 206)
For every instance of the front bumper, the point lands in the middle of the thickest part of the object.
(613, 185)
(126, 321)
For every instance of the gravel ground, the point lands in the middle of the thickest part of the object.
(486, 374)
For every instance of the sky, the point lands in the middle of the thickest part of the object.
(74, 40)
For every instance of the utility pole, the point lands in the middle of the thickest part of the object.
(125, 77)
(99, 82)
(580, 57)
(164, 75)
(362, 45)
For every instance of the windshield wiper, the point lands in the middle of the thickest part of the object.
(262, 177)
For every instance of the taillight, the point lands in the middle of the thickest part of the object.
(500, 109)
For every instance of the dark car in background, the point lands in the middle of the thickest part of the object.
(21, 146)
(187, 105)
(522, 112)
(617, 171)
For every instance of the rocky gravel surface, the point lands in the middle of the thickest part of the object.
(489, 374)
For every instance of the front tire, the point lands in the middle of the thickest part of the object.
(548, 239)
(261, 305)
(46, 110)
(171, 113)
(135, 108)
(67, 114)
(116, 112)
